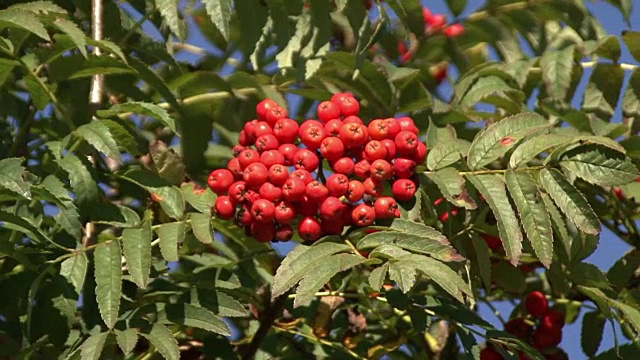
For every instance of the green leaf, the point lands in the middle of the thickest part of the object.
(126, 339)
(200, 200)
(84, 187)
(170, 197)
(626, 351)
(320, 272)
(221, 303)
(557, 66)
(592, 329)
(74, 269)
(298, 262)
(39, 92)
(201, 227)
(533, 213)
(404, 274)
(136, 244)
(499, 138)
(483, 256)
(193, 316)
(536, 145)
(220, 13)
(508, 277)
(170, 235)
(570, 201)
(69, 219)
(451, 184)
(98, 135)
(163, 340)
(147, 109)
(608, 47)
(377, 275)
(169, 11)
(631, 99)
(586, 274)
(412, 236)
(631, 314)
(92, 347)
(286, 58)
(603, 90)
(456, 6)
(75, 34)
(108, 274)
(440, 273)
(492, 187)
(17, 223)
(37, 7)
(632, 40)
(598, 165)
(24, 20)
(11, 177)
(484, 89)
(447, 153)
(6, 67)
(623, 270)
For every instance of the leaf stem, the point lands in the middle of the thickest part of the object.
(485, 14)
(319, 341)
(333, 293)
(496, 171)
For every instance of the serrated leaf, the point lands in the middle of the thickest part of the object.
(631, 314)
(115, 215)
(108, 274)
(169, 11)
(220, 13)
(37, 7)
(193, 316)
(570, 201)
(75, 34)
(320, 273)
(84, 186)
(229, 307)
(492, 188)
(483, 89)
(286, 58)
(608, 47)
(440, 273)
(501, 137)
(11, 171)
(631, 98)
(451, 184)
(126, 339)
(603, 90)
(136, 244)
(456, 6)
(586, 274)
(536, 145)
(17, 223)
(24, 20)
(623, 270)
(483, 257)
(74, 269)
(298, 262)
(201, 200)
(6, 67)
(170, 235)
(533, 213)
(92, 348)
(163, 340)
(69, 219)
(169, 197)
(404, 274)
(147, 109)
(377, 276)
(110, 47)
(557, 66)
(201, 227)
(412, 236)
(98, 135)
(447, 153)
(598, 165)
(591, 334)
(632, 40)
(507, 277)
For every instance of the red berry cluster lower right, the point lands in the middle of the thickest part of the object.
(541, 327)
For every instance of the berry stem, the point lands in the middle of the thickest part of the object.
(495, 171)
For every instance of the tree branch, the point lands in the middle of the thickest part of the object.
(270, 314)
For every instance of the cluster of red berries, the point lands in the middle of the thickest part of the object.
(541, 327)
(277, 172)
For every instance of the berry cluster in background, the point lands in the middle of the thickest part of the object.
(321, 175)
(541, 327)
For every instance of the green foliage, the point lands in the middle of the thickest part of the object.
(107, 202)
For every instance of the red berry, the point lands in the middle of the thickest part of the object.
(362, 169)
(303, 175)
(251, 196)
(337, 184)
(437, 22)
(332, 127)
(263, 232)
(404, 58)
(244, 216)
(385, 207)
(372, 187)
(363, 215)
(353, 135)
(309, 229)
(224, 208)
(243, 139)
(445, 216)
(440, 73)
(266, 142)
(288, 151)
(426, 15)
(263, 107)
(406, 142)
(393, 128)
(519, 328)
(294, 189)
(274, 114)
(355, 192)
(219, 181)
(378, 129)
(237, 192)
(543, 339)
(348, 106)
(328, 110)
(332, 148)
(249, 131)
(332, 227)
(381, 170)
(453, 30)
(284, 233)
(331, 208)
(618, 192)
(344, 166)
(403, 168)
(255, 174)
(490, 354)
(309, 122)
(390, 146)
(374, 150)
(263, 210)
(403, 189)
(262, 128)
(316, 191)
(236, 150)
(270, 192)
(284, 213)
(312, 135)
(552, 319)
(271, 157)
(352, 120)
(305, 159)
(338, 97)
(278, 174)
(401, 47)
(421, 153)
(493, 242)
(536, 304)
(307, 206)
(406, 124)
(286, 130)
(248, 156)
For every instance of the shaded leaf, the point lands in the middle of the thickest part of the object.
(74, 32)
(24, 20)
(441, 274)
(220, 13)
(451, 184)
(193, 316)
(631, 98)
(108, 274)
(136, 244)
(163, 340)
(84, 186)
(169, 197)
(126, 339)
(92, 348)
(603, 90)
(557, 66)
(377, 276)
(587, 275)
(11, 171)
(69, 219)
(201, 227)
(201, 200)
(98, 135)
(147, 109)
(483, 257)
(170, 235)
(169, 11)
(507, 277)
(74, 269)
(599, 166)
